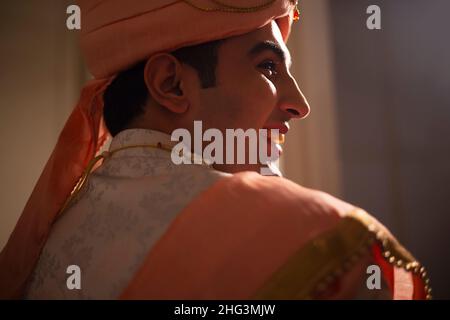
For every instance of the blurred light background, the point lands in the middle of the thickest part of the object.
(378, 135)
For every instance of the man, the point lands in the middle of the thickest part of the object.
(140, 226)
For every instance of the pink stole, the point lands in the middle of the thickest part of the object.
(255, 237)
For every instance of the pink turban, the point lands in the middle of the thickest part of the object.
(115, 34)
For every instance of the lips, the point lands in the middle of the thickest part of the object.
(283, 129)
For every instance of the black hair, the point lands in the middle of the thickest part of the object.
(126, 96)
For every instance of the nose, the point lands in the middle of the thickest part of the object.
(294, 102)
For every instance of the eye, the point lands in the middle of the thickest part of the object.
(270, 67)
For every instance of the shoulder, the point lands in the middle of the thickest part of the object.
(281, 193)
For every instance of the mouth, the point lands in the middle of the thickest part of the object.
(275, 142)
(282, 128)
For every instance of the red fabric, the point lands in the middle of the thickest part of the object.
(386, 267)
(419, 288)
(388, 273)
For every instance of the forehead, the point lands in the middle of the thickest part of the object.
(240, 45)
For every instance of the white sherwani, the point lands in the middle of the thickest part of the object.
(127, 205)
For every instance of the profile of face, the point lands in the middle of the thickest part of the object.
(254, 88)
(254, 85)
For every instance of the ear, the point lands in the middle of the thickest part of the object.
(163, 77)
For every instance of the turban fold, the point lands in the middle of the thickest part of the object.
(119, 36)
(116, 34)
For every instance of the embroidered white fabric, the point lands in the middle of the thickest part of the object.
(129, 203)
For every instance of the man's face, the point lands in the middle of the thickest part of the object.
(254, 87)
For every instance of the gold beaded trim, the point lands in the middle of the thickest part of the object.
(310, 271)
(393, 252)
(348, 262)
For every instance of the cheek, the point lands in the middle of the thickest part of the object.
(252, 100)
(263, 94)
(244, 103)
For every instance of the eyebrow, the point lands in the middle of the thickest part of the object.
(271, 46)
